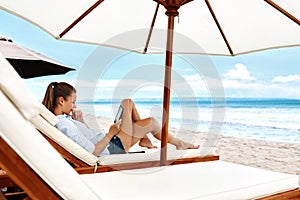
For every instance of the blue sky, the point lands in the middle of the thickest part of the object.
(266, 74)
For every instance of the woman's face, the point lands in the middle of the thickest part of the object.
(69, 103)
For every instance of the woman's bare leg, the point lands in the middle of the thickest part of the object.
(144, 141)
(129, 117)
(133, 129)
(126, 131)
(152, 125)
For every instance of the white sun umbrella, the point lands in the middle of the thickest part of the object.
(219, 27)
(247, 25)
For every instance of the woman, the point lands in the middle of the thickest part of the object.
(60, 99)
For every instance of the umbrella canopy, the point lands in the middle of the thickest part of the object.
(226, 27)
(28, 63)
(220, 27)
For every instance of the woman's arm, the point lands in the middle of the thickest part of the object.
(113, 130)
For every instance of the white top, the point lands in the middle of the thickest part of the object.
(80, 133)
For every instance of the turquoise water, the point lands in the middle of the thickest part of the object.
(265, 119)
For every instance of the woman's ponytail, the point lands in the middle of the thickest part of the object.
(49, 99)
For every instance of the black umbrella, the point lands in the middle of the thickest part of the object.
(28, 63)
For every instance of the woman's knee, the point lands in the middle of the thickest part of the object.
(127, 102)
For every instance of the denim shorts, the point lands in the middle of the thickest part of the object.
(116, 146)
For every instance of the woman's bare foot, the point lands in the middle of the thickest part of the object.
(146, 142)
(181, 145)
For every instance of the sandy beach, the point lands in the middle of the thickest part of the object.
(275, 156)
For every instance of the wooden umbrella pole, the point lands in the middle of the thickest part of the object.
(171, 13)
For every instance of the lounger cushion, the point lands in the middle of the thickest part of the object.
(13, 86)
(48, 116)
(206, 181)
(53, 133)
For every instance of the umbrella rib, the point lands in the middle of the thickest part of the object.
(283, 11)
(219, 26)
(80, 18)
(185, 2)
(151, 28)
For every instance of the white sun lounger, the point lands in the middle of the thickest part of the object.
(44, 121)
(206, 180)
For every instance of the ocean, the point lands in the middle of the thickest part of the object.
(263, 119)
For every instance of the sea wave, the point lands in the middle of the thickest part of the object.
(267, 119)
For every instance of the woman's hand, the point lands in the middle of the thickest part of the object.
(114, 128)
(77, 115)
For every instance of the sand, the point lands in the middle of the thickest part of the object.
(275, 156)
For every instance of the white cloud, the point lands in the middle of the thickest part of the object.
(235, 84)
(238, 82)
(286, 79)
(235, 88)
(239, 73)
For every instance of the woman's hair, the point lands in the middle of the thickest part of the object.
(56, 90)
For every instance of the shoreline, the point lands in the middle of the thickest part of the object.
(275, 156)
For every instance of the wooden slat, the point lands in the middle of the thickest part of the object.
(16, 196)
(23, 175)
(14, 191)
